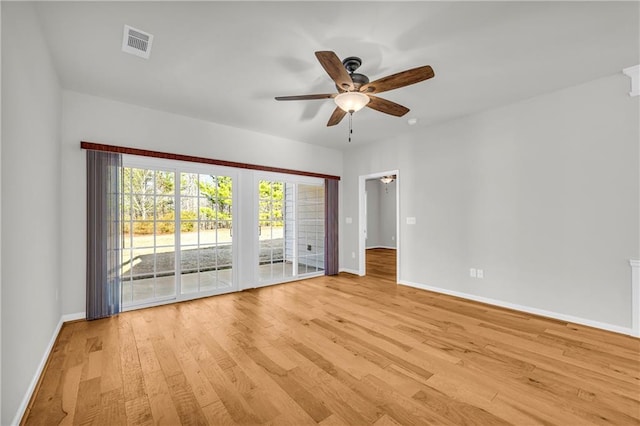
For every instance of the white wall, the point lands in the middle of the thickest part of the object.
(381, 214)
(100, 120)
(388, 221)
(373, 213)
(543, 195)
(31, 103)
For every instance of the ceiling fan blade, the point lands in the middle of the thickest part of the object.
(333, 66)
(336, 117)
(305, 97)
(386, 106)
(401, 79)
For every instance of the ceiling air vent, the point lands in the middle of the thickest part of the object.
(136, 42)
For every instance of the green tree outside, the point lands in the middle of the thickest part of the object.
(271, 211)
(219, 195)
(149, 195)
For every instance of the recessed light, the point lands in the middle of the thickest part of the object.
(412, 121)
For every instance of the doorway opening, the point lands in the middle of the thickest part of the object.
(379, 219)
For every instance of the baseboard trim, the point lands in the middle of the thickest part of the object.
(36, 378)
(35, 381)
(349, 271)
(381, 247)
(74, 317)
(522, 308)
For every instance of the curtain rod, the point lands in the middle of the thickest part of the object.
(157, 154)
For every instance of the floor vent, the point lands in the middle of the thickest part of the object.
(136, 42)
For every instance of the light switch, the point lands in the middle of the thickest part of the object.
(411, 221)
(349, 220)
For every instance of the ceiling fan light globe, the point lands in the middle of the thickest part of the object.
(351, 101)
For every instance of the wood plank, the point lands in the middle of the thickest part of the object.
(217, 414)
(111, 374)
(456, 411)
(88, 407)
(133, 379)
(185, 401)
(70, 389)
(339, 398)
(112, 408)
(161, 404)
(295, 387)
(138, 412)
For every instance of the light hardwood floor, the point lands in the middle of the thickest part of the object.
(337, 350)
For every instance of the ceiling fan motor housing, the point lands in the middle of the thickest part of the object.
(358, 81)
(351, 64)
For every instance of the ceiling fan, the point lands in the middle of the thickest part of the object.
(354, 89)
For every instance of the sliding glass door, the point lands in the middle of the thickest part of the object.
(291, 229)
(176, 233)
(179, 233)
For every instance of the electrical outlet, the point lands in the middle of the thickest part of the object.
(472, 272)
(480, 273)
(353, 254)
(393, 238)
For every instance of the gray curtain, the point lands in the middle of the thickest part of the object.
(331, 260)
(103, 234)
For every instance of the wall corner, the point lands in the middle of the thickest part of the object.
(635, 297)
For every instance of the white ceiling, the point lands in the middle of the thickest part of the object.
(225, 61)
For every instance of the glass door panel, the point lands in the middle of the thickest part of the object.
(176, 235)
(273, 263)
(310, 229)
(148, 254)
(205, 234)
(291, 236)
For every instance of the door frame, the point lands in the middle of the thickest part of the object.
(362, 225)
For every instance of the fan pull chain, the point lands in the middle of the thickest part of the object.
(350, 125)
